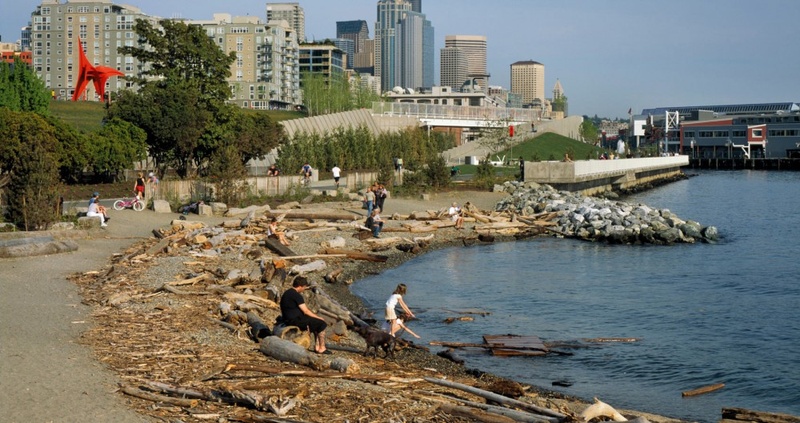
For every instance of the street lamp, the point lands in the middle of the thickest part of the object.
(729, 144)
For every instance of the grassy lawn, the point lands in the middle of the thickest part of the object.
(551, 146)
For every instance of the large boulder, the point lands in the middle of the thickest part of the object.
(161, 206)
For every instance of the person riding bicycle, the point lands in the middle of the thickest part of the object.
(306, 172)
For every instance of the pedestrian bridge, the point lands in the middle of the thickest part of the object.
(595, 176)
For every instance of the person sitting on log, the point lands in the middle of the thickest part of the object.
(273, 232)
(455, 214)
(375, 223)
(295, 312)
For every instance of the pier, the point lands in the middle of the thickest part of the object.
(591, 177)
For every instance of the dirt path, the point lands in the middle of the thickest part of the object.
(45, 374)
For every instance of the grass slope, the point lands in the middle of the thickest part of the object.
(551, 146)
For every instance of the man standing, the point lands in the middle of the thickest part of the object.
(336, 174)
(152, 179)
(296, 313)
(369, 198)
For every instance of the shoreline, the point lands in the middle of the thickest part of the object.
(121, 291)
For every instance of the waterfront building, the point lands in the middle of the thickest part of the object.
(404, 46)
(474, 48)
(453, 67)
(292, 13)
(768, 130)
(102, 27)
(527, 80)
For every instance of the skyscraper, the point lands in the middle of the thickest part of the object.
(291, 13)
(404, 51)
(527, 80)
(474, 48)
(452, 68)
(416, 5)
(357, 32)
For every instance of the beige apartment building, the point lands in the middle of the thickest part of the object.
(527, 80)
(103, 27)
(265, 74)
(453, 68)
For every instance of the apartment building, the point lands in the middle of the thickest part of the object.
(292, 13)
(102, 27)
(265, 74)
(326, 60)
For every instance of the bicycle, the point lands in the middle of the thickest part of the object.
(125, 203)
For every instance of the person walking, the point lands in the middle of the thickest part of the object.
(152, 179)
(380, 196)
(336, 174)
(369, 199)
(138, 188)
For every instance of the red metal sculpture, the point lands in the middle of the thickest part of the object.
(97, 74)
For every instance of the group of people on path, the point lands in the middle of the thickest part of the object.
(295, 312)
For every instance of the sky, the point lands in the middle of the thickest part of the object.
(610, 56)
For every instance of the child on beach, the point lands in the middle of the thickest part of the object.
(391, 317)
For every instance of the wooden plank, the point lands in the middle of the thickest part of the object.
(703, 390)
(516, 341)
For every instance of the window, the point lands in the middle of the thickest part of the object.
(758, 132)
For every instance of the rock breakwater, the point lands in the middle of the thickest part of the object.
(603, 220)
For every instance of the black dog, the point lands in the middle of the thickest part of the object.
(376, 338)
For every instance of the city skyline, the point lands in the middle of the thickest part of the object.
(609, 56)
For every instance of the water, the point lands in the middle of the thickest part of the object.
(705, 313)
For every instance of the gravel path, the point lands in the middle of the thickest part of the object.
(46, 375)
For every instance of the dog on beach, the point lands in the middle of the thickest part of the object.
(376, 338)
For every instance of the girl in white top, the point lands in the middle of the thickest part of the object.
(394, 299)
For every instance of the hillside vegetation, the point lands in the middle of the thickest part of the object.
(87, 116)
(551, 146)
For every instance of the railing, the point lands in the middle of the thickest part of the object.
(438, 111)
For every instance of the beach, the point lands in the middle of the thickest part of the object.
(59, 365)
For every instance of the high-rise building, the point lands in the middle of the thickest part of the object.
(452, 68)
(348, 47)
(404, 50)
(416, 5)
(474, 48)
(292, 13)
(358, 31)
(102, 27)
(527, 80)
(364, 62)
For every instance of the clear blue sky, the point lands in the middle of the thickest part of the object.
(609, 55)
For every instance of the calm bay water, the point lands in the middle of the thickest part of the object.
(706, 313)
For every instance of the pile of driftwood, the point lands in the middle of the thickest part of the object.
(187, 321)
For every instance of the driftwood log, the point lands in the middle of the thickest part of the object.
(314, 214)
(730, 415)
(703, 390)
(601, 409)
(548, 415)
(357, 255)
(258, 329)
(289, 351)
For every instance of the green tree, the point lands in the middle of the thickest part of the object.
(254, 134)
(21, 89)
(181, 105)
(588, 132)
(560, 104)
(179, 52)
(74, 151)
(116, 147)
(29, 156)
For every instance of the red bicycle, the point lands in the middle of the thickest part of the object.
(125, 203)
